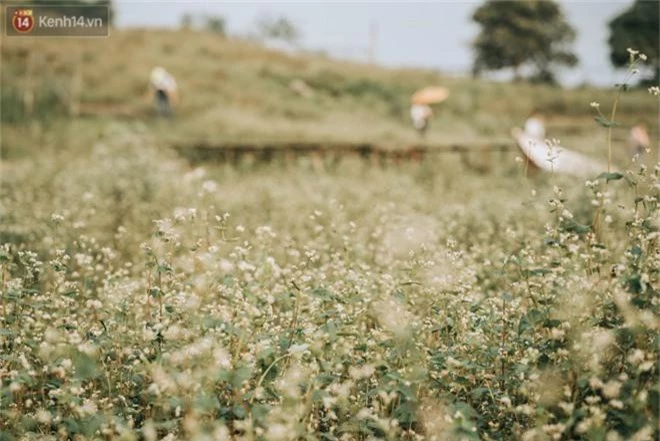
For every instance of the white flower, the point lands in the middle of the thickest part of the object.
(632, 51)
(642, 57)
(654, 90)
(595, 104)
(209, 186)
(298, 349)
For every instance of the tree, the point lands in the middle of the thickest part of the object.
(216, 24)
(278, 29)
(186, 21)
(637, 28)
(523, 34)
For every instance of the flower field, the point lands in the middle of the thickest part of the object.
(145, 299)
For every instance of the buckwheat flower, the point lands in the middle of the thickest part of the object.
(298, 349)
(209, 186)
(611, 389)
(567, 407)
(583, 426)
(613, 435)
(279, 432)
(591, 400)
(360, 373)
(617, 404)
(557, 334)
(94, 304)
(87, 348)
(644, 434)
(646, 366)
(595, 104)
(636, 357)
(43, 416)
(149, 431)
(221, 434)
(225, 266)
(56, 218)
(88, 408)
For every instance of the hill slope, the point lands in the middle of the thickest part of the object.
(237, 90)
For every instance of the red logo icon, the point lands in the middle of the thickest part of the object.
(23, 20)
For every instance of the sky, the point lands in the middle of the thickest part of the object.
(434, 35)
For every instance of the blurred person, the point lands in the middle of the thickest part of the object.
(165, 91)
(639, 140)
(541, 154)
(421, 115)
(534, 125)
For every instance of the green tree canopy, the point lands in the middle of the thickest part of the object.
(280, 28)
(637, 28)
(523, 34)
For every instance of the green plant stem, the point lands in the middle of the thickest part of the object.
(609, 131)
(263, 376)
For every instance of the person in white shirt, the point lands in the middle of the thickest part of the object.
(421, 114)
(165, 91)
(534, 126)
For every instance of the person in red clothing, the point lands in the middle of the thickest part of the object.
(639, 141)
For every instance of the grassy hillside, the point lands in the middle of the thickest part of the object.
(238, 90)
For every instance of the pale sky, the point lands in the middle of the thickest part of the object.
(433, 35)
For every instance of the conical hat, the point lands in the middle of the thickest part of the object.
(430, 95)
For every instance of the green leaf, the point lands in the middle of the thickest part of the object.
(605, 122)
(260, 412)
(86, 366)
(636, 251)
(322, 293)
(466, 410)
(239, 375)
(523, 325)
(573, 227)
(536, 272)
(610, 176)
(6, 436)
(479, 392)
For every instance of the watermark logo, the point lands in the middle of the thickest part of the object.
(22, 20)
(45, 20)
